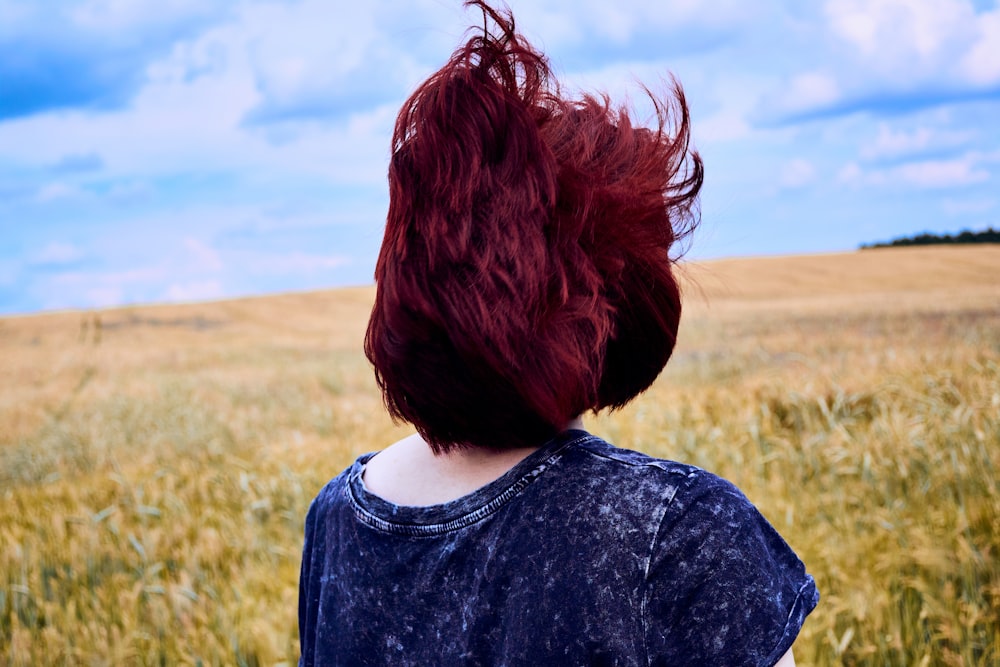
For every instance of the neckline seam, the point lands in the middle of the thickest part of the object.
(480, 513)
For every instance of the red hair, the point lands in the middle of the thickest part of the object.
(525, 276)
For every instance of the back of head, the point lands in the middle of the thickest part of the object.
(525, 276)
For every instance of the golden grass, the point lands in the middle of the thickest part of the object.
(155, 471)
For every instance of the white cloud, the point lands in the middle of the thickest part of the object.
(116, 16)
(204, 202)
(925, 174)
(892, 54)
(57, 252)
(850, 174)
(808, 91)
(563, 22)
(204, 258)
(797, 173)
(9, 272)
(310, 62)
(889, 142)
(981, 64)
(955, 207)
(57, 190)
(298, 262)
(726, 125)
(88, 53)
(942, 173)
(177, 123)
(892, 143)
(194, 291)
(103, 296)
(900, 35)
(734, 97)
(14, 14)
(78, 289)
(129, 191)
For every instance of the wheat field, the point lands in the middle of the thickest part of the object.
(156, 462)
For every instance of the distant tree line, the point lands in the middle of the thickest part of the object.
(986, 236)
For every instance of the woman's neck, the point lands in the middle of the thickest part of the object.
(409, 473)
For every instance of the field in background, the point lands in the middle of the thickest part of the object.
(156, 462)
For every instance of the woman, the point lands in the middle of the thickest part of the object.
(525, 279)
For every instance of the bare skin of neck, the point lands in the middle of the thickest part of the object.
(409, 473)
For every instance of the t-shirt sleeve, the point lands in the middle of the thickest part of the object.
(723, 587)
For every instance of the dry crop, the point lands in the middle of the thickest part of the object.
(156, 462)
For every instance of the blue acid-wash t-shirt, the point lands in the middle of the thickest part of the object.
(582, 554)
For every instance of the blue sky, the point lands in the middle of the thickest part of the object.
(190, 149)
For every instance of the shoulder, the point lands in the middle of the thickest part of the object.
(678, 488)
(692, 493)
(604, 459)
(658, 500)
